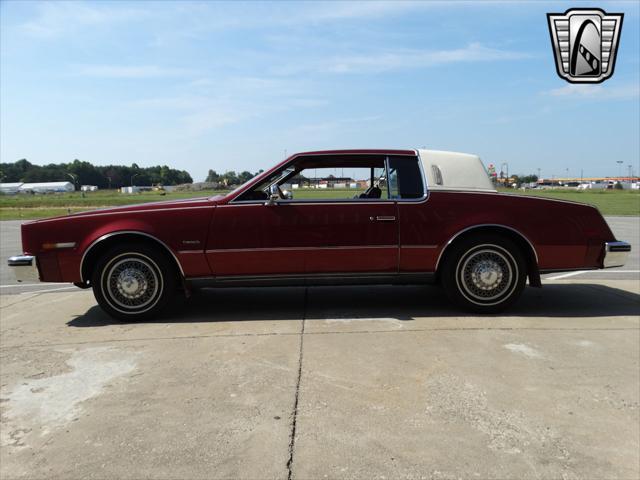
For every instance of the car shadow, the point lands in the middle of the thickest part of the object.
(404, 303)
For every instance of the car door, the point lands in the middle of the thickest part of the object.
(299, 238)
(351, 237)
(304, 237)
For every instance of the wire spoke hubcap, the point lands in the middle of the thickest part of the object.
(132, 283)
(486, 274)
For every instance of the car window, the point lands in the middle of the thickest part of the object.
(405, 178)
(338, 183)
(342, 178)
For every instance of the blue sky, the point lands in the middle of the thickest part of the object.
(231, 86)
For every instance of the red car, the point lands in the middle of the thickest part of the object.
(327, 217)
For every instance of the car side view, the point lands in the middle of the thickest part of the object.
(413, 217)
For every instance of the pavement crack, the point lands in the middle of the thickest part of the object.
(292, 439)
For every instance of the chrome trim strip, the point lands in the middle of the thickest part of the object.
(300, 275)
(311, 279)
(280, 249)
(125, 232)
(418, 246)
(348, 201)
(535, 253)
(615, 254)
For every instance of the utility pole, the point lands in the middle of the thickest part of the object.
(539, 174)
(132, 177)
(619, 162)
(109, 178)
(74, 180)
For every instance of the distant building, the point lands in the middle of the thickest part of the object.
(42, 187)
(88, 188)
(10, 188)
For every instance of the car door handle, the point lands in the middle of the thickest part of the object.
(383, 218)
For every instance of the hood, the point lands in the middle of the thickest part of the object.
(165, 204)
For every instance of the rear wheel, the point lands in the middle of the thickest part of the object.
(133, 282)
(484, 273)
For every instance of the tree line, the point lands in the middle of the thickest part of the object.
(230, 178)
(85, 173)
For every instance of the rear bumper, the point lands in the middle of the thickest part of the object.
(25, 268)
(615, 254)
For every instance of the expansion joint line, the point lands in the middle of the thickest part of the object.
(292, 439)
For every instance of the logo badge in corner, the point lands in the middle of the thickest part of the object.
(585, 43)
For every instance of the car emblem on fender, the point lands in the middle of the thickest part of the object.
(585, 43)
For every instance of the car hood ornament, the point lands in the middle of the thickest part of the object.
(585, 43)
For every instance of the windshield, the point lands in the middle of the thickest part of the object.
(238, 188)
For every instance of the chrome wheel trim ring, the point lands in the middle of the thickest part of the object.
(132, 283)
(487, 274)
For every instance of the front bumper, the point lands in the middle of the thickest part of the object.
(615, 254)
(25, 268)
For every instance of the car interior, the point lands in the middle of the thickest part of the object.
(386, 178)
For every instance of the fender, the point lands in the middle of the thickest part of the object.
(495, 225)
(127, 232)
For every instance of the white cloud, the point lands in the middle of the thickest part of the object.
(131, 71)
(57, 18)
(597, 92)
(401, 59)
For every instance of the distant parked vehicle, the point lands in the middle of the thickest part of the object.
(424, 217)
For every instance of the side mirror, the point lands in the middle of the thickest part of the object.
(274, 195)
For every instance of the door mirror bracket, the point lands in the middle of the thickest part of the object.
(274, 195)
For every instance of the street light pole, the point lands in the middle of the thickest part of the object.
(74, 180)
(619, 162)
(507, 169)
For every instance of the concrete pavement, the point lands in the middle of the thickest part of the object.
(362, 382)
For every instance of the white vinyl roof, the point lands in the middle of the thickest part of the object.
(455, 171)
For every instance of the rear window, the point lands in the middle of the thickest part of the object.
(405, 178)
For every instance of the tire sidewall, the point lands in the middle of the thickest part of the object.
(451, 275)
(161, 268)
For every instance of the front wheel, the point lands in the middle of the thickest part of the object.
(484, 273)
(133, 282)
